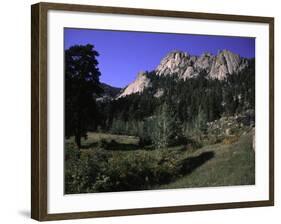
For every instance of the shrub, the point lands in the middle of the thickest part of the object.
(83, 169)
(230, 139)
(100, 170)
(76, 169)
(139, 170)
(127, 172)
(102, 144)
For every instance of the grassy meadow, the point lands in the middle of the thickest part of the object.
(110, 162)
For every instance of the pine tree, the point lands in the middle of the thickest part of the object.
(166, 127)
(81, 83)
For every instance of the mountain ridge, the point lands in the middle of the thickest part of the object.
(187, 66)
(109, 92)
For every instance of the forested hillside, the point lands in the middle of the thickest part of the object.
(186, 104)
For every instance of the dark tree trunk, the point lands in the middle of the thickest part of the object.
(78, 141)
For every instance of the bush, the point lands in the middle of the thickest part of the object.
(83, 169)
(99, 170)
(102, 144)
(139, 170)
(192, 144)
(230, 139)
(213, 139)
(127, 172)
(76, 169)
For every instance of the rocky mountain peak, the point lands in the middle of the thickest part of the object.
(141, 82)
(186, 66)
(173, 62)
(226, 62)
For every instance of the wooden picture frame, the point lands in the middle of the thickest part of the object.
(39, 109)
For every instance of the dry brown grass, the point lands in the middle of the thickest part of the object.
(230, 139)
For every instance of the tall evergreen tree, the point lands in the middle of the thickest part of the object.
(81, 85)
(166, 127)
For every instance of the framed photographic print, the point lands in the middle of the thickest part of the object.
(139, 111)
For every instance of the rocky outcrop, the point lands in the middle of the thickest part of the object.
(176, 62)
(232, 125)
(186, 66)
(204, 62)
(141, 82)
(159, 93)
(225, 63)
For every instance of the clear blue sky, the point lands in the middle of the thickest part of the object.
(124, 54)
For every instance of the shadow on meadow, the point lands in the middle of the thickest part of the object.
(188, 165)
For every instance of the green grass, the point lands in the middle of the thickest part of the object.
(232, 164)
(121, 164)
(94, 137)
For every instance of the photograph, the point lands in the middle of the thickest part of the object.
(157, 111)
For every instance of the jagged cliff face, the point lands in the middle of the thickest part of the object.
(187, 66)
(225, 63)
(176, 62)
(141, 82)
